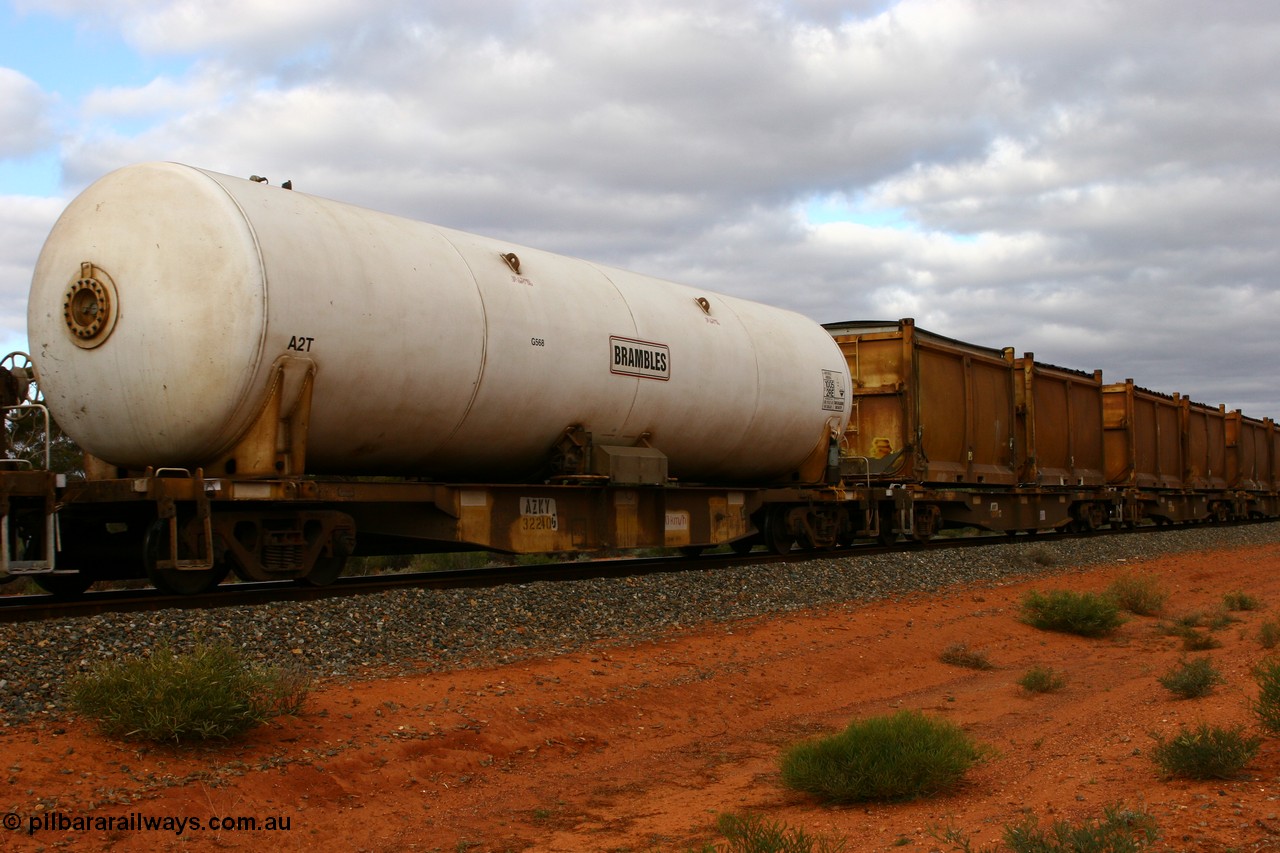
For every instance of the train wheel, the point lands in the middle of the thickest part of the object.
(63, 585)
(325, 571)
(175, 581)
(742, 547)
(692, 550)
(777, 538)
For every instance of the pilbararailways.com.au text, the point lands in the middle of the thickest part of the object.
(139, 822)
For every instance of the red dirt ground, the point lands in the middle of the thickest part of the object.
(637, 748)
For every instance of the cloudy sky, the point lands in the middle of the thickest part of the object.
(1095, 181)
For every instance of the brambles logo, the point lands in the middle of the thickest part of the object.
(645, 359)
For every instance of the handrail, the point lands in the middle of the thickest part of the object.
(45, 412)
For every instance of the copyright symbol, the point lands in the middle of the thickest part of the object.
(12, 821)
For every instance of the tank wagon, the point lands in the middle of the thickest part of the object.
(239, 360)
(270, 382)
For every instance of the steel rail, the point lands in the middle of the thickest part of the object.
(36, 607)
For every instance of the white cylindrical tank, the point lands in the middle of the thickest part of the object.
(165, 294)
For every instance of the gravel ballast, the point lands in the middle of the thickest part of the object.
(414, 630)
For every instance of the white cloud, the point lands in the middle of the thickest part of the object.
(24, 223)
(161, 98)
(1095, 182)
(25, 126)
(162, 27)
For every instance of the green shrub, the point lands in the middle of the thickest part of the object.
(1269, 634)
(1085, 613)
(1219, 620)
(378, 565)
(753, 833)
(1206, 752)
(1191, 679)
(1042, 679)
(1267, 705)
(1186, 622)
(1186, 627)
(1042, 555)
(1198, 641)
(959, 654)
(881, 758)
(1238, 600)
(206, 693)
(1120, 831)
(1142, 595)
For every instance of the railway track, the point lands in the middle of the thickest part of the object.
(36, 607)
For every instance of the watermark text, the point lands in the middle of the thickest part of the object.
(141, 822)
